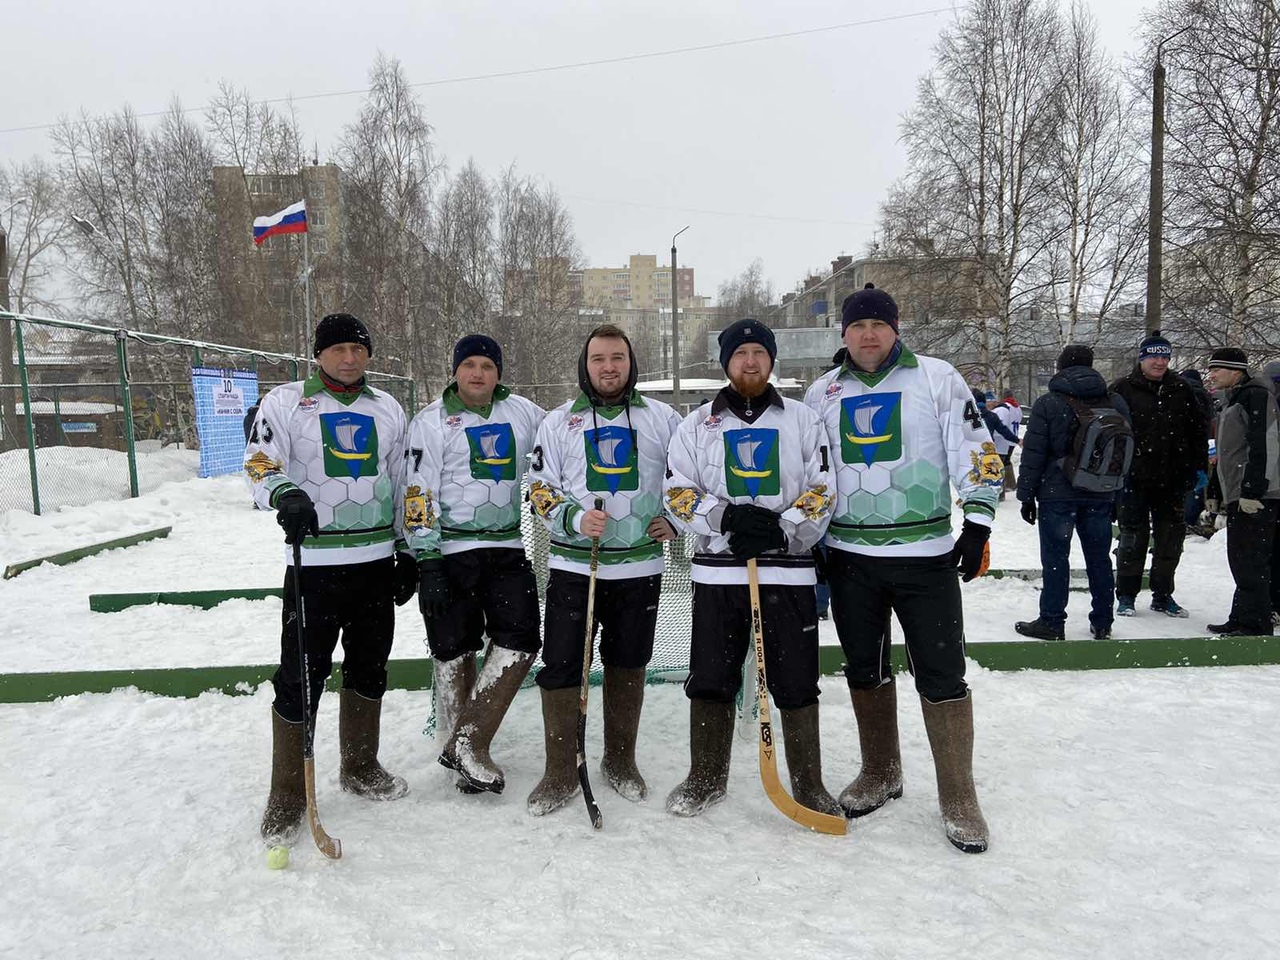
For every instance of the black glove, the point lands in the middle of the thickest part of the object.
(970, 551)
(433, 588)
(1029, 511)
(748, 518)
(297, 515)
(746, 545)
(404, 580)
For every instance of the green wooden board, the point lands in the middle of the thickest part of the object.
(205, 599)
(79, 553)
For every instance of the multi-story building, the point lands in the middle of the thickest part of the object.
(643, 284)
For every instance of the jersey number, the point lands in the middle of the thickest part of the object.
(414, 453)
(971, 415)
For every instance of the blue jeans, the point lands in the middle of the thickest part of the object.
(1091, 520)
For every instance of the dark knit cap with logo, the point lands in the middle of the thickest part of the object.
(1155, 345)
(1075, 355)
(477, 345)
(1229, 358)
(341, 328)
(868, 304)
(743, 332)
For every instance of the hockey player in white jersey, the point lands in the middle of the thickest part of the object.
(747, 474)
(609, 443)
(903, 431)
(467, 454)
(327, 453)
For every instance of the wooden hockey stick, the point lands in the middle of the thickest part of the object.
(331, 847)
(821, 822)
(593, 808)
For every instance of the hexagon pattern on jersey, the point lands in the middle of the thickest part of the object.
(913, 491)
(629, 518)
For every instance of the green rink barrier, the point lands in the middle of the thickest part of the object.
(79, 553)
(205, 599)
(415, 674)
(1035, 575)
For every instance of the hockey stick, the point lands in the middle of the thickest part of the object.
(821, 822)
(593, 808)
(331, 847)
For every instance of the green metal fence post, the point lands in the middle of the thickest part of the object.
(413, 400)
(126, 397)
(57, 415)
(295, 368)
(31, 423)
(195, 355)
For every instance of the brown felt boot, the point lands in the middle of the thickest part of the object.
(468, 751)
(880, 779)
(452, 682)
(287, 801)
(710, 747)
(559, 783)
(804, 760)
(359, 723)
(950, 728)
(623, 698)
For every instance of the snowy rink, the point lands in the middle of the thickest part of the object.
(1132, 812)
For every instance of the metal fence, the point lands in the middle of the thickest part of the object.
(90, 412)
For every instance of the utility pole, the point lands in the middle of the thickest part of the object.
(1155, 203)
(8, 409)
(675, 326)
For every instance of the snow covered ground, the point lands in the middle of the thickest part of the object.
(1132, 812)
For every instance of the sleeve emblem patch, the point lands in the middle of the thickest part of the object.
(260, 466)
(988, 468)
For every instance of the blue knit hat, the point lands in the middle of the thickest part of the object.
(1155, 345)
(868, 304)
(477, 345)
(746, 331)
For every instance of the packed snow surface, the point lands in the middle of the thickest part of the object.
(1132, 812)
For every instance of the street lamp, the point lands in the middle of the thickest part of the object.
(1155, 203)
(675, 326)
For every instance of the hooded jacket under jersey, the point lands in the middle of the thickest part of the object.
(900, 438)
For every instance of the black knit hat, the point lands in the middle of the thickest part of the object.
(746, 331)
(1229, 358)
(341, 328)
(1155, 345)
(477, 345)
(1075, 355)
(868, 304)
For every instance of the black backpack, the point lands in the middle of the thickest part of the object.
(1101, 448)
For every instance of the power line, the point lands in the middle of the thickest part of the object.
(577, 65)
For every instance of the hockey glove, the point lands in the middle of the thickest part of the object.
(1250, 506)
(970, 553)
(404, 580)
(1029, 512)
(433, 588)
(748, 518)
(746, 546)
(297, 515)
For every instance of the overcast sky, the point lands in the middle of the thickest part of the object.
(780, 150)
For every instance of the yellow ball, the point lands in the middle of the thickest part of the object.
(277, 858)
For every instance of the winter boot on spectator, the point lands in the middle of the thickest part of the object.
(452, 682)
(287, 801)
(880, 779)
(559, 783)
(1124, 606)
(623, 698)
(1038, 629)
(710, 747)
(1169, 607)
(468, 750)
(950, 728)
(359, 724)
(800, 736)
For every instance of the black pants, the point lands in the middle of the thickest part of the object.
(1249, 541)
(925, 594)
(353, 600)
(1144, 515)
(492, 591)
(722, 641)
(625, 610)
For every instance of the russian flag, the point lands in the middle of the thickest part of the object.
(292, 219)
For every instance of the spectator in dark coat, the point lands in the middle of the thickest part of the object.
(1170, 445)
(1195, 499)
(1047, 495)
(1247, 485)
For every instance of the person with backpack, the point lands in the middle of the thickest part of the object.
(1171, 440)
(1075, 455)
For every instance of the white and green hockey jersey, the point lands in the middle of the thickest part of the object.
(346, 452)
(779, 462)
(616, 453)
(900, 439)
(463, 469)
